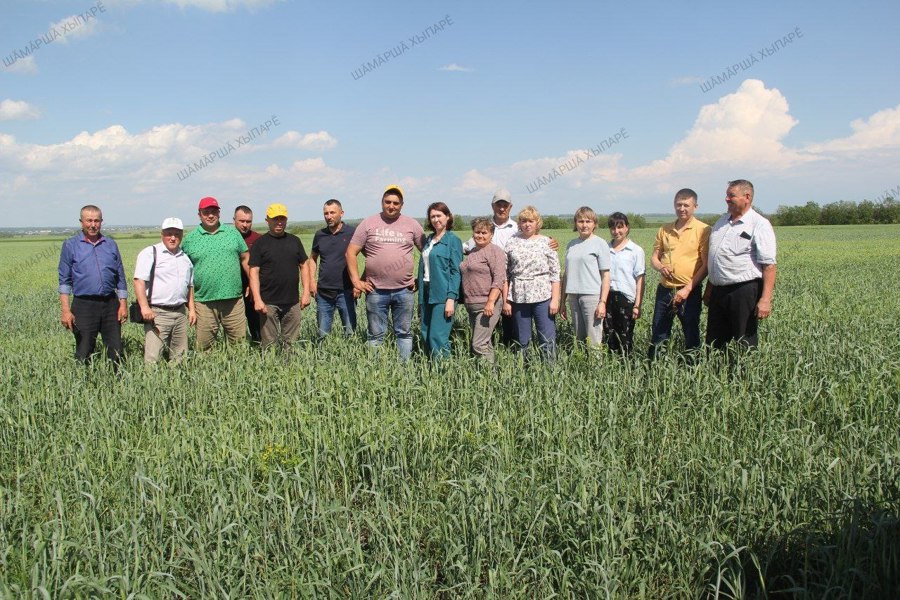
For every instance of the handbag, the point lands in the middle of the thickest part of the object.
(134, 311)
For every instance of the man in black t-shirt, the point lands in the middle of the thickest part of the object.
(334, 289)
(276, 269)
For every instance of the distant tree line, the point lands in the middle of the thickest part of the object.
(839, 213)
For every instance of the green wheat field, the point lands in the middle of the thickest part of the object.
(336, 472)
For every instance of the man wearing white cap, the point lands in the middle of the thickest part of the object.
(164, 286)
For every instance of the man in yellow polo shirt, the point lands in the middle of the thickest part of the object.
(680, 257)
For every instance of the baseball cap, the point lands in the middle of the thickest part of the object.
(394, 188)
(208, 202)
(172, 223)
(276, 210)
(502, 196)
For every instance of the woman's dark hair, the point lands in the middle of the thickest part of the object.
(617, 217)
(439, 206)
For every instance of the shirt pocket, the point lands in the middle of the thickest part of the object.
(742, 244)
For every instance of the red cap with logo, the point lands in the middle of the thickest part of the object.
(208, 202)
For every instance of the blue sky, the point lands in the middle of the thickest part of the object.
(115, 107)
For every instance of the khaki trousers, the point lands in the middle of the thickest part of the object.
(227, 313)
(482, 328)
(169, 330)
(284, 320)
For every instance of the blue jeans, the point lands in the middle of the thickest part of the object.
(345, 304)
(400, 303)
(523, 314)
(664, 313)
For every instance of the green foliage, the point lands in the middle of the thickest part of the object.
(637, 221)
(335, 471)
(843, 212)
(556, 222)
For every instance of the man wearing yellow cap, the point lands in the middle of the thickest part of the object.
(387, 241)
(276, 270)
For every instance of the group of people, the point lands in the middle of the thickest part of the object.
(507, 273)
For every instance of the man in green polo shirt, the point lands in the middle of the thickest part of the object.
(219, 255)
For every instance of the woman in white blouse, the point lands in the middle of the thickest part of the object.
(534, 291)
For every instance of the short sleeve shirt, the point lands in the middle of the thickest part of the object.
(388, 248)
(684, 251)
(532, 267)
(279, 259)
(585, 262)
(332, 248)
(172, 276)
(628, 264)
(738, 249)
(217, 262)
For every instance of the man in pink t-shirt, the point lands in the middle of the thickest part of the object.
(386, 240)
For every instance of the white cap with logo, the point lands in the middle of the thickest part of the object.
(172, 223)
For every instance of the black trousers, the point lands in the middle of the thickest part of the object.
(732, 314)
(253, 322)
(93, 315)
(619, 326)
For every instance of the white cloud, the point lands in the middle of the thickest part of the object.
(138, 175)
(21, 65)
(17, 110)
(135, 174)
(476, 182)
(73, 27)
(456, 67)
(742, 132)
(743, 128)
(320, 140)
(881, 130)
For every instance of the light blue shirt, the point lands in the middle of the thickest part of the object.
(585, 262)
(738, 249)
(627, 266)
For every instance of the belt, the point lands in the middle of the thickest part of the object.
(96, 298)
(170, 307)
(738, 284)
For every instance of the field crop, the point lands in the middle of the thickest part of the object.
(337, 472)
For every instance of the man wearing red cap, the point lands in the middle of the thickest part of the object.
(219, 255)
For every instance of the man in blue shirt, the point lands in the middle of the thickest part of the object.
(334, 290)
(91, 270)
